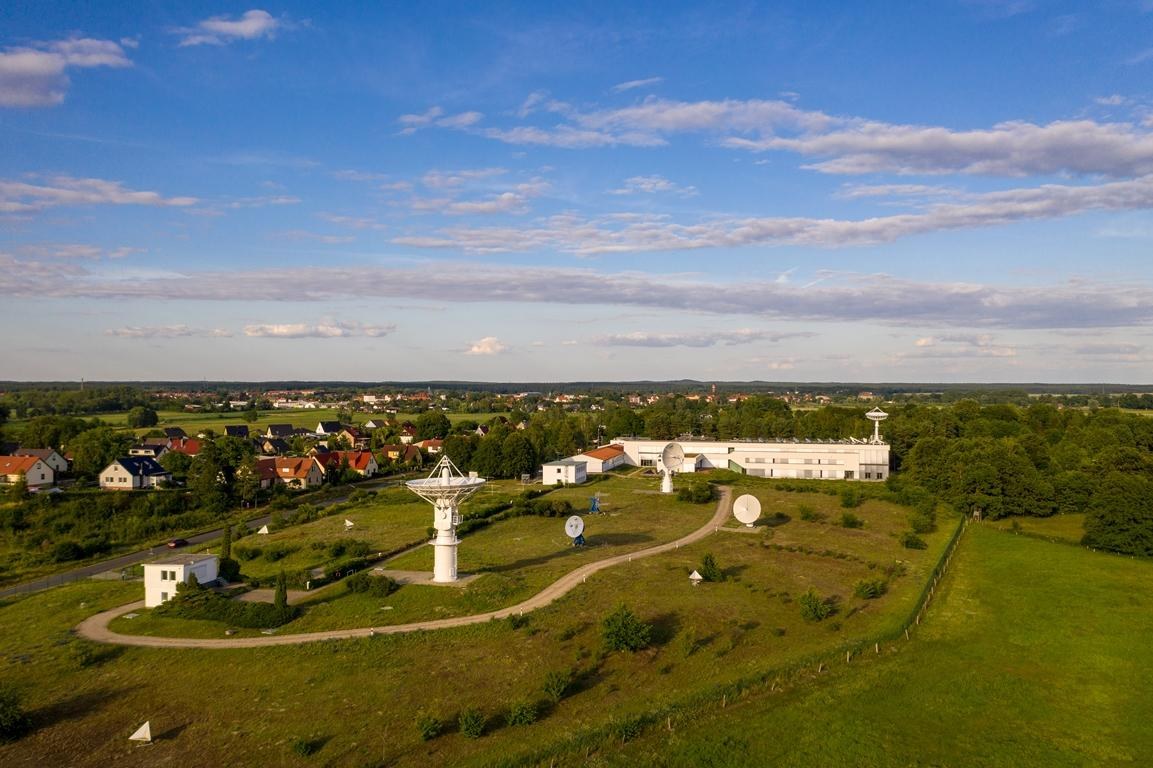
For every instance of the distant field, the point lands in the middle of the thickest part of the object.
(1063, 527)
(191, 422)
(360, 698)
(1036, 655)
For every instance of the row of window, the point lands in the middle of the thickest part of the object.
(168, 575)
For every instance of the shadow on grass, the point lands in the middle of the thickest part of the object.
(72, 708)
(774, 521)
(171, 733)
(665, 627)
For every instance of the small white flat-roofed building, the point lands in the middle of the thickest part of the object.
(161, 577)
(799, 459)
(564, 472)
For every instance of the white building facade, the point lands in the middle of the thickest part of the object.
(564, 472)
(815, 459)
(161, 577)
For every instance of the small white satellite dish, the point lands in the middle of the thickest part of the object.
(747, 509)
(574, 526)
(143, 733)
(263, 529)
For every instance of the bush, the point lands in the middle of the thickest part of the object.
(910, 540)
(67, 551)
(210, 606)
(374, 586)
(522, 713)
(247, 553)
(14, 721)
(870, 590)
(849, 520)
(472, 722)
(556, 684)
(851, 498)
(814, 607)
(307, 747)
(922, 523)
(697, 493)
(623, 631)
(627, 730)
(710, 571)
(229, 570)
(428, 727)
(809, 514)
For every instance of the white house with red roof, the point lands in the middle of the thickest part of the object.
(33, 471)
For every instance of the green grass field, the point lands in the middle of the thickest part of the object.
(1033, 653)
(359, 699)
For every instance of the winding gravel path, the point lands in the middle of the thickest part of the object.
(96, 627)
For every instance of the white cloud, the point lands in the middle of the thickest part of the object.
(957, 346)
(463, 120)
(450, 179)
(329, 329)
(436, 116)
(220, 30)
(167, 332)
(318, 237)
(652, 185)
(75, 251)
(634, 84)
(23, 197)
(725, 338)
(36, 76)
(352, 222)
(489, 345)
(647, 233)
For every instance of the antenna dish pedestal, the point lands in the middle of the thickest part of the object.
(445, 488)
(672, 457)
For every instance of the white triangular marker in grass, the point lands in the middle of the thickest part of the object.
(263, 529)
(143, 733)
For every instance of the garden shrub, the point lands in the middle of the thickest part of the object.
(849, 520)
(910, 540)
(210, 606)
(472, 722)
(851, 498)
(814, 607)
(556, 684)
(14, 721)
(428, 727)
(522, 713)
(710, 571)
(696, 493)
(623, 631)
(871, 589)
(374, 586)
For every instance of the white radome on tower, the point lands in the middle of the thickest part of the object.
(445, 488)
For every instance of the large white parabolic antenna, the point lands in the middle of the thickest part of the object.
(747, 509)
(445, 488)
(672, 457)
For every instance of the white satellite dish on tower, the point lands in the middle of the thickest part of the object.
(672, 457)
(445, 488)
(747, 509)
(876, 416)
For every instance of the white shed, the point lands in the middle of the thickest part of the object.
(161, 577)
(564, 472)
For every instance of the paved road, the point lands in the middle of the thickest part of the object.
(96, 627)
(144, 555)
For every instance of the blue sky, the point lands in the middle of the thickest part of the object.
(810, 191)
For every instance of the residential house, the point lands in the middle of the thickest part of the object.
(407, 432)
(299, 472)
(432, 446)
(236, 430)
(328, 428)
(162, 577)
(132, 473)
(400, 454)
(372, 424)
(361, 462)
(188, 446)
(173, 433)
(151, 451)
(281, 431)
(49, 456)
(32, 470)
(273, 446)
(355, 437)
